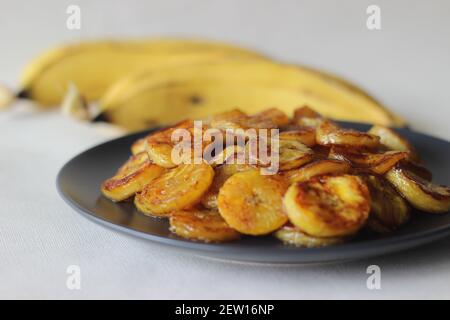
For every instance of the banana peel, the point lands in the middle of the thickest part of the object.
(141, 83)
(150, 98)
(93, 66)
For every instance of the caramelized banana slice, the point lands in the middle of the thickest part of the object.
(305, 116)
(222, 173)
(393, 141)
(177, 189)
(420, 193)
(159, 145)
(293, 236)
(252, 203)
(268, 119)
(417, 169)
(202, 225)
(378, 163)
(131, 177)
(139, 146)
(227, 115)
(317, 168)
(329, 134)
(389, 210)
(161, 154)
(293, 154)
(307, 136)
(229, 154)
(328, 206)
(274, 115)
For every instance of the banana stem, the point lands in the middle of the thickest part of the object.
(6, 97)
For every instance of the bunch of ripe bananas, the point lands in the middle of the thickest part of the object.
(332, 181)
(138, 84)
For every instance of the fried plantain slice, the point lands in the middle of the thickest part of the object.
(307, 117)
(274, 115)
(177, 189)
(201, 225)
(417, 169)
(161, 154)
(139, 146)
(131, 177)
(293, 154)
(317, 168)
(378, 163)
(390, 139)
(159, 145)
(329, 134)
(306, 135)
(389, 210)
(420, 193)
(227, 115)
(293, 236)
(222, 173)
(328, 206)
(268, 119)
(252, 203)
(228, 154)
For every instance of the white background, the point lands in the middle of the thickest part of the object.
(406, 65)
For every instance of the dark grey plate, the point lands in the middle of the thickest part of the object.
(79, 180)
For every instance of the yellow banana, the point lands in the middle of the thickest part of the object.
(147, 98)
(94, 66)
(160, 81)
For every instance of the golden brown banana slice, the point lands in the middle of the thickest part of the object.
(329, 134)
(321, 152)
(317, 168)
(159, 145)
(293, 236)
(328, 206)
(161, 154)
(268, 119)
(393, 141)
(228, 154)
(131, 177)
(202, 225)
(305, 116)
(378, 163)
(139, 146)
(307, 136)
(293, 154)
(222, 173)
(252, 203)
(417, 169)
(274, 115)
(389, 210)
(227, 115)
(420, 193)
(177, 189)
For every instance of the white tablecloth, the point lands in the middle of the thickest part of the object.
(406, 63)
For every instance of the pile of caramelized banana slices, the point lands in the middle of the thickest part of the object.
(331, 183)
